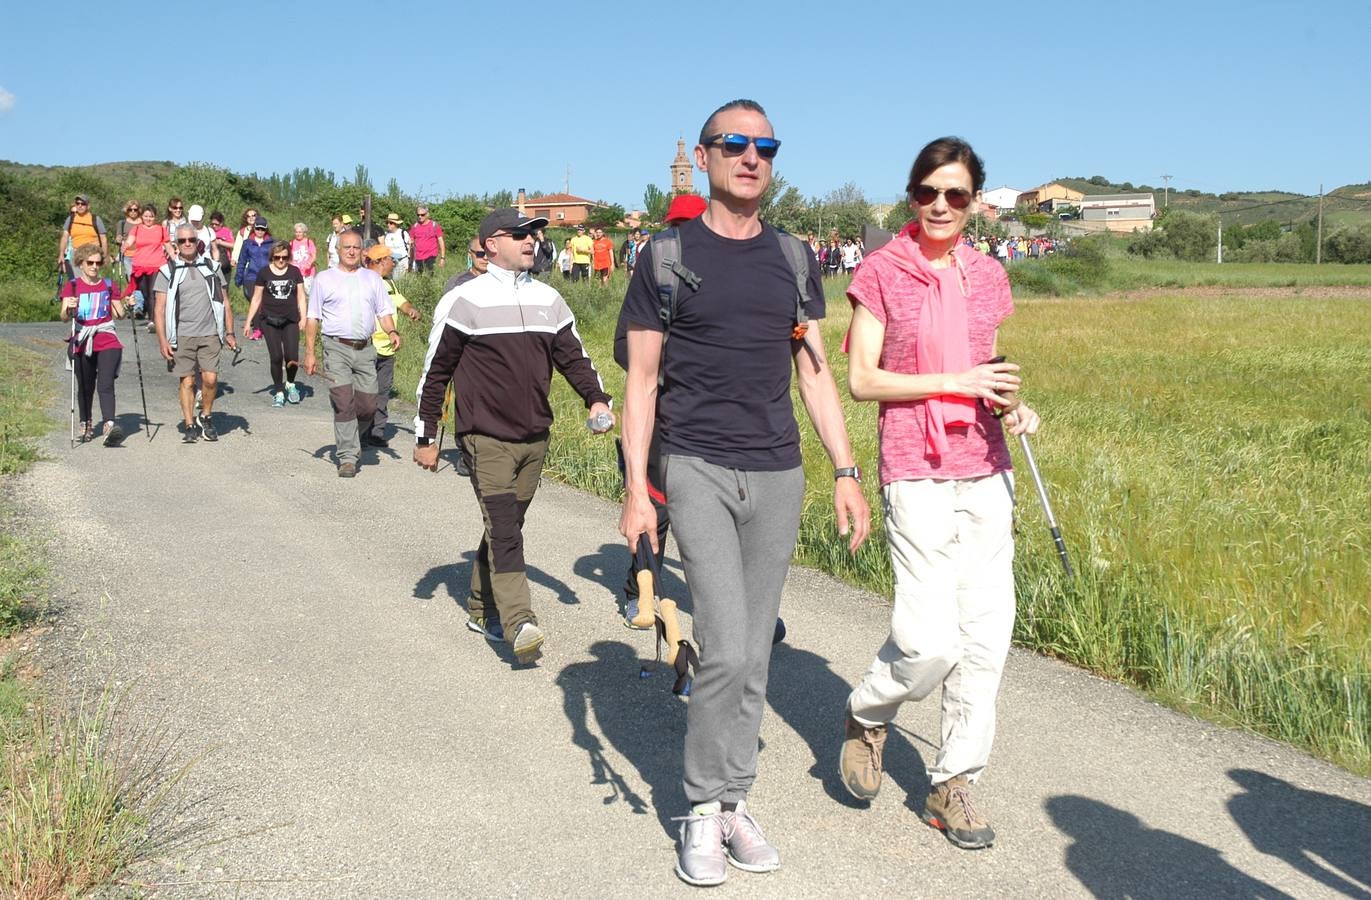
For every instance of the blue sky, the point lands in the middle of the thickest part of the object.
(455, 98)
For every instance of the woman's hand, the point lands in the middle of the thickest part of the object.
(988, 381)
(1021, 420)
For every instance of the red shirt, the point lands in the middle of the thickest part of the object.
(425, 236)
(602, 253)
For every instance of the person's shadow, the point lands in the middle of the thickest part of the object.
(804, 690)
(1113, 854)
(228, 422)
(608, 567)
(1327, 838)
(455, 578)
(640, 719)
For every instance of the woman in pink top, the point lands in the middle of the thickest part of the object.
(147, 244)
(303, 252)
(93, 303)
(926, 310)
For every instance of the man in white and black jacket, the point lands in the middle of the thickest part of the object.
(504, 333)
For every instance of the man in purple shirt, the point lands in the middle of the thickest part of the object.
(347, 301)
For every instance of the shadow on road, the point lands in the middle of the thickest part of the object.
(1323, 836)
(227, 423)
(456, 579)
(1114, 854)
(804, 690)
(609, 568)
(639, 717)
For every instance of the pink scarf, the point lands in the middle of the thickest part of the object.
(943, 344)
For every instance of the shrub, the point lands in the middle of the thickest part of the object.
(1183, 235)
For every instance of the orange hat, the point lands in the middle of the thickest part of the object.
(377, 252)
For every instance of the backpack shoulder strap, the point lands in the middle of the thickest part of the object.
(797, 254)
(669, 273)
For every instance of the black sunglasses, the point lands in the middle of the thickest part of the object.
(479, 254)
(259, 228)
(93, 262)
(736, 144)
(517, 235)
(283, 256)
(957, 198)
(187, 240)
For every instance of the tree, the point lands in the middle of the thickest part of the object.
(844, 210)
(1184, 235)
(899, 216)
(1034, 221)
(655, 203)
(1098, 180)
(607, 216)
(783, 206)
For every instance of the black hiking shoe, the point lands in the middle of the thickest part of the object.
(190, 433)
(207, 429)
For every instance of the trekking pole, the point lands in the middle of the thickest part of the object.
(1042, 492)
(1047, 506)
(138, 356)
(71, 367)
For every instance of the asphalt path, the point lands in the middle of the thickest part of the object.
(302, 638)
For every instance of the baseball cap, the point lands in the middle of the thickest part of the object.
(685, 206)
(197, 213)
(260, 223)
(347, 219)
(377, 252)
(508, 219)
(82, 198)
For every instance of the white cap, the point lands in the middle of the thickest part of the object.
(196, 214)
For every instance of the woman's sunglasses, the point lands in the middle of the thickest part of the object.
(736, 144)
(957, 198)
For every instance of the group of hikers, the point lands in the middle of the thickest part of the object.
(710, 440)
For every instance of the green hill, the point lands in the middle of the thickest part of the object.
(1347, 205)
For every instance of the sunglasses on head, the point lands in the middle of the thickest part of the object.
(957, 198)
(736, 144)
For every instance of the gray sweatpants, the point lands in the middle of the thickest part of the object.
(736, 532)
(352, 392)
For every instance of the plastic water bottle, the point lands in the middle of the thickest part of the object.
(600, 422)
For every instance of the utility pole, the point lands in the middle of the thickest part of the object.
(1220, 240)
(1318, 241)
(566, 185)
(1166, 180)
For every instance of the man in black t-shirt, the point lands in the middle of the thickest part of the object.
(732, 469)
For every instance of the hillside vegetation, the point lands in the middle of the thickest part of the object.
(1348, 205)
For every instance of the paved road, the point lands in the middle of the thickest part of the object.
(301, 630)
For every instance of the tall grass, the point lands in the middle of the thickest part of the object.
(81, 796)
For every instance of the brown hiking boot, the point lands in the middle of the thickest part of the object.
(949, 809)
(859, 761)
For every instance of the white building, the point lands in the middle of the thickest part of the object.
(1002, 199)
(1119, 212)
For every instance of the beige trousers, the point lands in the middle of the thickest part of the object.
(952, 551)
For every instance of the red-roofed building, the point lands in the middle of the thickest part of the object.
(560, 209)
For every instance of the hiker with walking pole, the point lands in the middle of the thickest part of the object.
(91, 303)
(926, 307)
